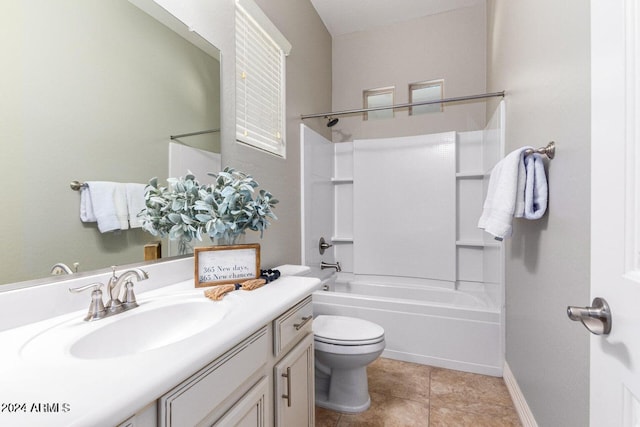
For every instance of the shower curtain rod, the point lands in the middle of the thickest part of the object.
(182, 135)
(410, 104)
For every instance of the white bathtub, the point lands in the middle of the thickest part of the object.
(424, 324)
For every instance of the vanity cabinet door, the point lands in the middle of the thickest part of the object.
(196, 400)
(250, 411)
(294, 386)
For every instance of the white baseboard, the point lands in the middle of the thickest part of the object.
(524, 412)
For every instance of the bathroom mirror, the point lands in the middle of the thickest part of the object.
(91, 90)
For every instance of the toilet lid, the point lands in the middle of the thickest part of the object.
(346, 330)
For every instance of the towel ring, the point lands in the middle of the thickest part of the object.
(549, 150)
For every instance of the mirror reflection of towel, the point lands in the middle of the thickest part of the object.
(86, 207)
(135, 203)
(105, 203)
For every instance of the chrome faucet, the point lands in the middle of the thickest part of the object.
(324, 265)
(62, 268)
(114, 286)
(97, 309)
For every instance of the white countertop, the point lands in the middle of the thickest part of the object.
(105, 392)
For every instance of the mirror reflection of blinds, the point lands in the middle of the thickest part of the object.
(259, 87)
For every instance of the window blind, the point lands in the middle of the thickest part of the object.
(260, 85)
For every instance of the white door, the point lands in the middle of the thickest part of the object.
(615, 210)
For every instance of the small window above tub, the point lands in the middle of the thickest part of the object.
(380, 97)
(426, 91)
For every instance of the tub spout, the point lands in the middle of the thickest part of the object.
(324, 265)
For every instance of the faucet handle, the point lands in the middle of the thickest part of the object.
(129, 300)
(96, 307)
(94, 286)
(323, 245)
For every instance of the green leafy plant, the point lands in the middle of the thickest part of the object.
(186, 210)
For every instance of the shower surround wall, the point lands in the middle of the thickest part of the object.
(418, 232)
(331, 210)
(403, 203)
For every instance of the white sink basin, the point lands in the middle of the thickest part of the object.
(147, 330)
(151, 326)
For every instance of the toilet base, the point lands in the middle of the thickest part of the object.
(345, 390)
(323, 402)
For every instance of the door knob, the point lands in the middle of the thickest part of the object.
(597, 319)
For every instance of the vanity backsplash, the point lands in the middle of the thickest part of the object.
(20, 306)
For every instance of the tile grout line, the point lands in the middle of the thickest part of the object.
(429, 397)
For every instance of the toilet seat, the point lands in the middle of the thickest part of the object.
(353, 349)
(346, 331)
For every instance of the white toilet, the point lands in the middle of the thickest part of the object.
(344, 346)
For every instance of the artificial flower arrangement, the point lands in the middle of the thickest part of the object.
(186, 210)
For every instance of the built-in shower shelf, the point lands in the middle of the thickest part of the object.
(342, 239)
(475, 244)
(342, 180)
(469, 175)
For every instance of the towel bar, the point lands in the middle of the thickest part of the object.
(549, 150)
(77, 185)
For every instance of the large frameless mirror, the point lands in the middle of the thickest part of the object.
(92, 91)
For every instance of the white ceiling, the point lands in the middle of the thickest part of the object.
(348, 16)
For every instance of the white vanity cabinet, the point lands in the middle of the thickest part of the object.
(293, 372)
(265, 380)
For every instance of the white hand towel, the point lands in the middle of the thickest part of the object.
(536, 193)
(505, 195)
(518, 212)
(108, 200)
(86, 207)
(135, 203)
(120, 202)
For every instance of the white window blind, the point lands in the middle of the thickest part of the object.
(260, 80)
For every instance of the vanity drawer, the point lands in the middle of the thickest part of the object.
(291, 326)
(195, 398)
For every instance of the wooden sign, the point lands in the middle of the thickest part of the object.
(218, 265)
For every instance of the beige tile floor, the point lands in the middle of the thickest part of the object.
(407, 394)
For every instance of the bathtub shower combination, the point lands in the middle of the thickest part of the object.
(413, 260)
(434, 326)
